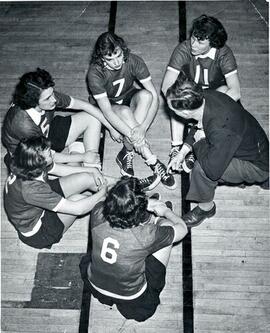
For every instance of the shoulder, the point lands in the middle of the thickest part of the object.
(97, 216)
(62, 100)
(135, 59)
(225, 51)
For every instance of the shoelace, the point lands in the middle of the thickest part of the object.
(191, 158)
(161, 171)
(144, 180)
(129, 156)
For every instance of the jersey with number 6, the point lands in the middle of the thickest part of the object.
(115, 84)
(210, 71)
(118, 255)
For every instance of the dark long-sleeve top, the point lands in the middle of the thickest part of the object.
(230, 132)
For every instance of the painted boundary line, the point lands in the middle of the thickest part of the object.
(187, 280)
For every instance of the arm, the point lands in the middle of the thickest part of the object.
(81, 206)
(152, 111)
(62, 170)
(233, 87)
(112, 117)
(215, 153)
(73, 157)
(168, 80)
(94, 111)
(171, 219)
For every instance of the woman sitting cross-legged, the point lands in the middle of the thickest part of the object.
(42, 210)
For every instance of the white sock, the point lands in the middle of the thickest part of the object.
(176, 143)
(151, 160)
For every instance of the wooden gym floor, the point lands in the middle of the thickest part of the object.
(42, 290)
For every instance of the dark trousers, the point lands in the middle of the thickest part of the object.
(202, 188)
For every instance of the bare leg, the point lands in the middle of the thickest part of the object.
(77, 183)
(90, 127)
(177, 131)
(68, 220)
(163, 255)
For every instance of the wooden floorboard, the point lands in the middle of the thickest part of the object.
(230, 251)
(150, 35)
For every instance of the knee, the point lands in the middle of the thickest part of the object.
(197, 169)
(125, 113)
(145, 95)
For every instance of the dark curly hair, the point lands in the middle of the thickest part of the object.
(28, 90)
(126, 203)
(28, 162)
(185, 94)
(105, 45)
(208, 27)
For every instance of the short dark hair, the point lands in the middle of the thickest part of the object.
(28, 90)
(126, 203)
(105, 45)
(27, 161)
(208, 27)
(185, 94)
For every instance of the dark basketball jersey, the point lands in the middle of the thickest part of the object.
(18, 124)
(118, 255)
(26, 200)
(209, 70)
(116, 84)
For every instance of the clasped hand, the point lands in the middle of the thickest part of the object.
(157, 207)
(176, 162)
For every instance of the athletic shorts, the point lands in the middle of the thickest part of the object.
(51, 230)
(145, 305)
(59, 130)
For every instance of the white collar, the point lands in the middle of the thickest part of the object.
(35, 115)
(210, 54)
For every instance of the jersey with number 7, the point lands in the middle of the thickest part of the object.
(116, 84)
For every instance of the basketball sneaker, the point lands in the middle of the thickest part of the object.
(167, 179)
(149, 183)
(125, 161)
(174, 151)
(188, 163)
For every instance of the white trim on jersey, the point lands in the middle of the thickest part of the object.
(35, 115)
(173, 70)
(100, 95)
(35, 229)
(146, 80)
(71, 103)
(231, 73)
(107, 293)
(58, 206)
(210, 54)
(197, 74)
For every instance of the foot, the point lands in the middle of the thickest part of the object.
(167, 179)
(265, 185)
(149, 183)
(125, 161)
(196, 216)
(188, 163)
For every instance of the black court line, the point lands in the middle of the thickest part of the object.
(86, 295)
(187, 280)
